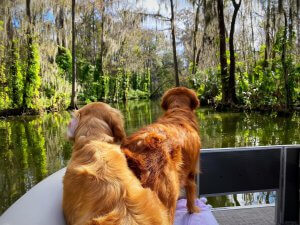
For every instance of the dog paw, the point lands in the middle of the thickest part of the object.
(193, 209)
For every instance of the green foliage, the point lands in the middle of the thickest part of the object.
(106, 82)
(4, 91)
(207, 84)
(137, 94)
(33, 79)
(258, 86)
(88, 86)
(98, 80)
(122, 85)
(64, 61)
(16, 77)
(147, 81)
(56, 93)
(264, 88)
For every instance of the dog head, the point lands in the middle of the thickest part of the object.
(97, 119)
(180, 97)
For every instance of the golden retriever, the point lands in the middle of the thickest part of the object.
(99, 188)
(164, 155)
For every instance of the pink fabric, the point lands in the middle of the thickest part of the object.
(205, 217)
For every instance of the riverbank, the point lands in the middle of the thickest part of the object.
(217, 107)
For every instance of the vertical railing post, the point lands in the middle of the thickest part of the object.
(287, 207)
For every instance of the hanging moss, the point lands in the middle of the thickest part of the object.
(4, 97)
(33, 79)
(16, 77)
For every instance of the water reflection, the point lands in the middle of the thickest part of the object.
(32, 148)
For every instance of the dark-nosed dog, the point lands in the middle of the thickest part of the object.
(164, 155)
(99, 188)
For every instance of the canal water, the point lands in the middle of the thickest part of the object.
(32, 148)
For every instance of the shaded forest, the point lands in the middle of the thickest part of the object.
(236, 54)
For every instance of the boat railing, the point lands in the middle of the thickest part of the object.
(254, 169)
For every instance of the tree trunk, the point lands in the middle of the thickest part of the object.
(94, 36)
(280, 6)
(298, 25)
(207, 40)
(60, 26)
(223, 58)
(101, 90)
(29, 20)
(195, 37)
(284, 66)
(267, 47)
(28, 11)
(273, 29)
(62, 22)
(9, 27)
(73, 104)
(252, 35)
(174, 44)
(231, 84)
(291, 22)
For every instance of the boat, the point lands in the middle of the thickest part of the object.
(41, 205)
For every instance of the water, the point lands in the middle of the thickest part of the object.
(32, 148)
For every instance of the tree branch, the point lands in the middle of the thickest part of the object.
(156, 15)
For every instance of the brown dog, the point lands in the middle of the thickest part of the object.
(99, 188)
(164, 155)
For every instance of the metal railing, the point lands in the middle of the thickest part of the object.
(253, 169)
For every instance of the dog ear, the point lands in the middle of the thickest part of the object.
(73, 125)
(117, 126)
(165, 101)
(195, 103)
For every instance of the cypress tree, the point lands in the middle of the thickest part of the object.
(16, 77)
(4, 97)
(33, 79)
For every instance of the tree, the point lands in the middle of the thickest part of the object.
(172, 20)
(73, 104)
(298, 25)
(16, 78)
(284, 62)
(33, 79)
(231, 84)
(99, 76)
(195, 32)
(267, 31)
(223, 58)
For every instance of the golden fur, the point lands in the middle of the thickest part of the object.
(164, 155)
(99, 188)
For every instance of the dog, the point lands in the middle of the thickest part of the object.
(98, 187)
(164, 155)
